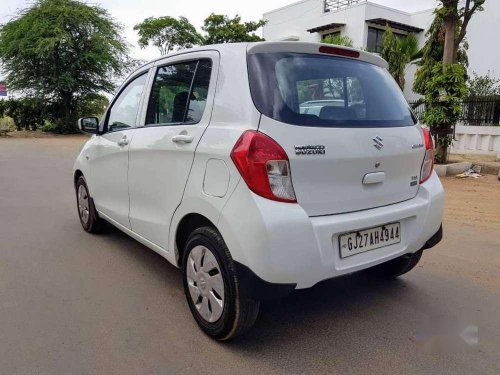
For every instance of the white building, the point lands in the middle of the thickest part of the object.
(365, 21)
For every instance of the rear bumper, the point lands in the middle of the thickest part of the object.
(280, 244)
(434, 240)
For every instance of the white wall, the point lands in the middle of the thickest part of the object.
(483, 38)
(476, 140)
(422, 19)
(294, 20)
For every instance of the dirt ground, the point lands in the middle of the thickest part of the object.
(473, 201)
(39, 134)
(472, 158)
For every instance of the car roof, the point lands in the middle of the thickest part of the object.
(265, 47)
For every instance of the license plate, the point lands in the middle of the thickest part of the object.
(369, 239)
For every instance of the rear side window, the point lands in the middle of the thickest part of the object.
(179, 93)
(327, 91)
(199, 91)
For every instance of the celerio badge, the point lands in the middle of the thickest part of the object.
(310, 150)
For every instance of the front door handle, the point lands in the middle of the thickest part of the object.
(182, 138)
(123, 142)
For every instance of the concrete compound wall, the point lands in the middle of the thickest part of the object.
(476, 140)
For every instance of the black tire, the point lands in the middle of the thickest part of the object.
(90, 221)
(238, 314)
(397, 267)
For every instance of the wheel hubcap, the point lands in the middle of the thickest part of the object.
(83, 204)
(206, 286)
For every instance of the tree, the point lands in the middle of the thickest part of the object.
(399, 52)
(222, 29)
(167, 33)
(93, 105)
(483, 86)
(61, 51)
(442, 74)
(456, 22)
(340, 40)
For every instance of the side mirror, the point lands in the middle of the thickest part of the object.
(89, 124)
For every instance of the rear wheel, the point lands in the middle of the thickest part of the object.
(212, 287)
(87, 213)
(398, 266)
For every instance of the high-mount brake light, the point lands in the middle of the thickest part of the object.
(339, 51)
(264, 166)
(428, 164)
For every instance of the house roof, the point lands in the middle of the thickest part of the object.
(395, 25)
(326, 27)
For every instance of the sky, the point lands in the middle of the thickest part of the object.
(131, 12)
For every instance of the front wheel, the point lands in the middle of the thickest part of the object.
(398, 266)
(89, 218)
(212, 287)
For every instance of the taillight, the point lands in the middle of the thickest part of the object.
(264, 166)
(339, 51)
(428, 164)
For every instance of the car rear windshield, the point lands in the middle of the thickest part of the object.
(326, 91)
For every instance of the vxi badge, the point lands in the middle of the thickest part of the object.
(310, 150)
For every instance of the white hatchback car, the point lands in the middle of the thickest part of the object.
(205, 157)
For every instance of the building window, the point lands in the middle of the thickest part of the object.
(375, 39)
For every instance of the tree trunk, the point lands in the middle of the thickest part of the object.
(450, 23)
(449, 58)
(442, 152)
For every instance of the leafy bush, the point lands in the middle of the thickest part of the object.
(49, 127)
(340, 40)
(6, 124)
(27, 113)
(444, 94)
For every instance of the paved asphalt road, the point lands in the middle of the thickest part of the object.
(74, 303)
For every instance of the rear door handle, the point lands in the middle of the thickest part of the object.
(182, 138)
(123, 142)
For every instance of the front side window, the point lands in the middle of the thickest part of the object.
(179, 93)
(123, 113)
(326, 91)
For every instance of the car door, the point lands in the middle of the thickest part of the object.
(109, 164)
(162, 152)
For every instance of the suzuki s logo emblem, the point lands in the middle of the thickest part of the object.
(378, 143)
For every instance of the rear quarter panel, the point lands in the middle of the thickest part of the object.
(233, 113)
